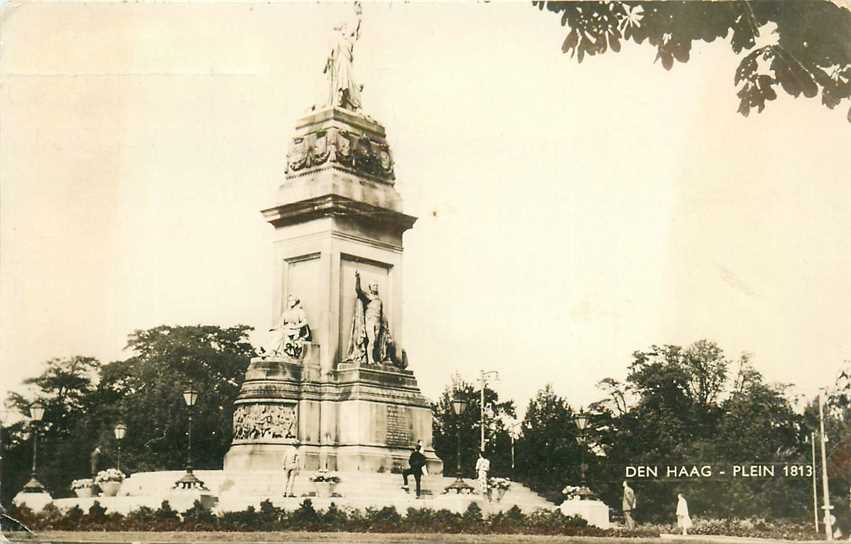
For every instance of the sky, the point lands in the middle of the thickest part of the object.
(569, 214)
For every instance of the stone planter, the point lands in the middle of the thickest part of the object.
(324, 490)
(109, 489)
(84, 492)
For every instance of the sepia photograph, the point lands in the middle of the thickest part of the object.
(424, 271)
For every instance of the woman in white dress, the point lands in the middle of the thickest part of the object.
(683, 519)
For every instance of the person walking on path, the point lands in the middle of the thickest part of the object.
(416, 467)
(629, 502)
(483, 466)
(683, 519)
(291, 467)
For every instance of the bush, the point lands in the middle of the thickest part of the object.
(244, 520)
(415, 520)
(141, 519)
(385, 520)
(472, 518)
(334, 519)
(199, 518)
(304, 518)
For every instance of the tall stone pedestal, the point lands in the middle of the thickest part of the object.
(337, 212)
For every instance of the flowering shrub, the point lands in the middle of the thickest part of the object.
(109, 475)
(571, 492)
(324, 476)
(499, 483)
(82, 484)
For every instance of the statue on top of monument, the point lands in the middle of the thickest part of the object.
(293, 330)
(343, 89)
(371, 341)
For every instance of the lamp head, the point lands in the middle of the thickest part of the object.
(120, 431)
(582, 421)
(458, 404)
(37, 411)
(190, 395)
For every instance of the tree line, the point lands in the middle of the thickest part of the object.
(675, 405)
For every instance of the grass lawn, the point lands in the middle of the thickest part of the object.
(299, 538)
(80, 537)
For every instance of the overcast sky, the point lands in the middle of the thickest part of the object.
(569, 214)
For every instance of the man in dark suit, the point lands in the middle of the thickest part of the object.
(416, 463)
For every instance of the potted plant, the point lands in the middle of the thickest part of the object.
(83, 488)
(500, 486)
(324, 483)
(109, 481)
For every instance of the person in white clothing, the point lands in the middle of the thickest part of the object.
(683, 519)
(483, 466)
(292, 464)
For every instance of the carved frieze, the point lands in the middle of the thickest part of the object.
(347, 148)
(263, 421)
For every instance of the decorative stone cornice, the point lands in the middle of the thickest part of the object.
(336, 206)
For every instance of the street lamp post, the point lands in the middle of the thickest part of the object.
(120, 432)
(828, 525)
(459, 404)
(812, 440)
(582, 421)
(189, 480)
(36, 415)
(514, 432)
(483, 380)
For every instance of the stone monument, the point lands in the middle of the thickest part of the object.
(335, 376)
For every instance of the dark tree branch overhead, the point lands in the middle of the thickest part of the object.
(810, 53)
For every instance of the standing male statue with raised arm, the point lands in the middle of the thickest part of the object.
(370, 336)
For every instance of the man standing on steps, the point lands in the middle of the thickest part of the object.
(416, 462)
(291, 467)
(629, 502)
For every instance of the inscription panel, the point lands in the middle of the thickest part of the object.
(398, 426)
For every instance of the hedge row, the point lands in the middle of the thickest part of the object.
(307, 518)
(749, 528)
(384, 520)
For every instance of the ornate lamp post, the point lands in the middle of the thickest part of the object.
(120, 432)
(458, 407)
(582, 421)
(36, 415)
(189, 480)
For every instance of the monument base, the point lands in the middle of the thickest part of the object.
(594, 512)
(236, 491)
(358, 418)
(34, 501)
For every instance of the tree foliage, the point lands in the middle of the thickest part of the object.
(549, 448)
(85, 399)
(693, 406)
(810, 53)
(446, 426)
(145, 390)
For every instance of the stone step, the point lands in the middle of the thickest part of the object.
(237, 490)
